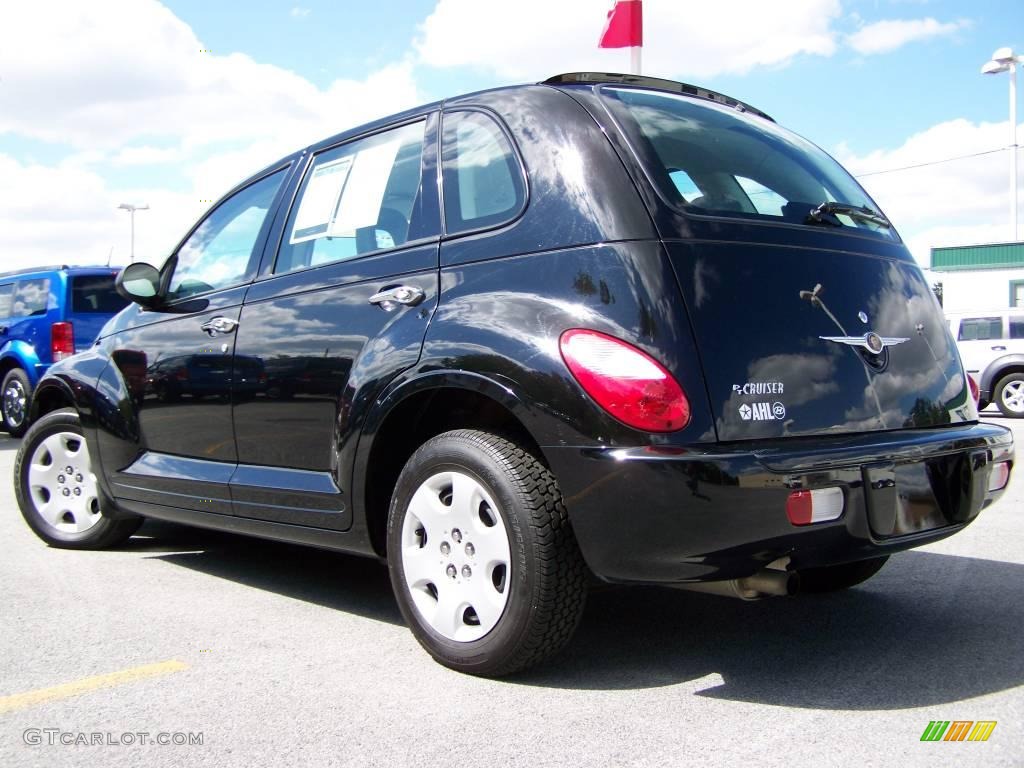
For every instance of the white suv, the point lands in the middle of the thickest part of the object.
(992, 349)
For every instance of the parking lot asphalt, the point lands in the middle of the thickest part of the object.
(280, 655)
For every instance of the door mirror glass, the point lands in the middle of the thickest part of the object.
(140, 283)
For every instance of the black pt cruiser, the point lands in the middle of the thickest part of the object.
(602, 326)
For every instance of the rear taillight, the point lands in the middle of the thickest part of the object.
(626, 382)
(62, 341)
(975, 392)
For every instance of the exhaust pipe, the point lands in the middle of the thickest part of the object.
(766, 583)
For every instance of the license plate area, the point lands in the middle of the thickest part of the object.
(909, 498)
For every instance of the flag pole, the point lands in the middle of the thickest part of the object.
(634, 59)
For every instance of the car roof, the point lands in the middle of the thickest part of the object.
(961, 314)
(59, 268)
(569, 79)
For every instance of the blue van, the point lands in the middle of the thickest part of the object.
(46, 315)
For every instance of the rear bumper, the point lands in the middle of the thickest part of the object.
(702, 513)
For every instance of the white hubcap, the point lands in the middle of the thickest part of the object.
(62, 485)
(455, 556)
(1013, 396)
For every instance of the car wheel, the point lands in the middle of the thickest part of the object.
(1009, 395)
(16, 395)
(482, 557)
(56, 487)
(832, 578)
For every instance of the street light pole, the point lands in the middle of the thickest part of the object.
(131, 210)
(1004, 60)
(1011, 67)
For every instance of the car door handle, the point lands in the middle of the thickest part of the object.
(389, 298)
(999, 348)
(218, 325)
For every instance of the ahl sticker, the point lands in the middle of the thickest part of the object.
(762, 411)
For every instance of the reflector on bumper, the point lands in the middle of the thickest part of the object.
(818, 506)
(999, 477)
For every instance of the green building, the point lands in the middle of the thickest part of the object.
(980, 276)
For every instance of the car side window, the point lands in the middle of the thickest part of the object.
(6, 296)
(1017, 327)
(483, 181)
(31, 297)
(356, 199)
(219, 251)
(980, 328)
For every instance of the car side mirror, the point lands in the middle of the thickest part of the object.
(140, 283)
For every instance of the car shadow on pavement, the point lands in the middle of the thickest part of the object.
(929, 629)
(340, 582)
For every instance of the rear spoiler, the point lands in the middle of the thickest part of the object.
(655, 83)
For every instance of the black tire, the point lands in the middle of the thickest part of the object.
(832, 578)
(547, 583)
(1007, 395)
(102, 531)
(16, 400)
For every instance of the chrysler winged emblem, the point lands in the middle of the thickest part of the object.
(870, 341)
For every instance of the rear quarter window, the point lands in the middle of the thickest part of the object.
(1017, 327)
(31, 297)
(95, 293)
(483, 179)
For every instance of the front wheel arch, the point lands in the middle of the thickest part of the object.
(101, 529)
(52, 394)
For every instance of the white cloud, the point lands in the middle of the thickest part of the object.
(298, 12)
(112, 71)
(124, 82)
(888, 35)
(68, 214)
(146, 155)
(953, 203)
(539, 38)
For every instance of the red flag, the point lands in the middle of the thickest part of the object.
(625, 27)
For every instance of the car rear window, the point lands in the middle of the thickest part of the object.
(980, 328)
(715, 160)
(95, 293)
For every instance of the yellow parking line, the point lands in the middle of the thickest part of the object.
(66, 690)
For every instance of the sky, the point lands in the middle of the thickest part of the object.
(172, 103)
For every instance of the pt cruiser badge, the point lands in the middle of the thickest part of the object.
(870, 341)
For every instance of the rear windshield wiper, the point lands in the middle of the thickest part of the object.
(861, 213)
